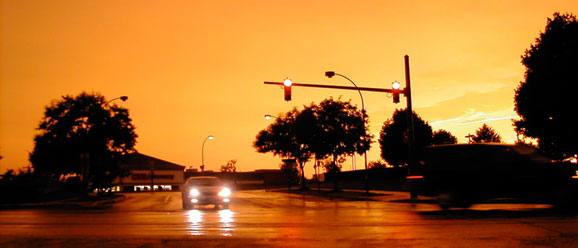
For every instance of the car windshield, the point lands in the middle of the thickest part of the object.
(205, 182)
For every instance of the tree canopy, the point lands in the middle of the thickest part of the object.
(329, 130)
(486, 134)
(230, 166)
(280, 138)
(340, 129)
(394, 141)
(83, 135)
(441, 137)
(545, 100)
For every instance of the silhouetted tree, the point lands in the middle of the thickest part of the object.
(83, 135)
(377, 164)
(486, 134)
(230, 166)
(331, 129)
(339, 129)
(280, 138)
(394, 141)
(441, 137)
(545, 101)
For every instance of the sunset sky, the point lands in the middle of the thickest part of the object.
(196, 68)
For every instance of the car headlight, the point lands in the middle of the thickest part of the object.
(225, 192)
(194, 192)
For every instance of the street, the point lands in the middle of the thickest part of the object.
(258, 218)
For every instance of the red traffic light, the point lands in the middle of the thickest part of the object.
(395, 87)
(287, 88)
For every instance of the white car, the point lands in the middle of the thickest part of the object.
(205, 190)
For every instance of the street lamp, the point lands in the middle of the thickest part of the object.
(123, 98)
(330, 74)
(269, 117)
(210, 137)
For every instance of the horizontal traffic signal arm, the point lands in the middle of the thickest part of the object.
(341, 87)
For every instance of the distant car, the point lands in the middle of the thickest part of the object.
(205, 190)
(463, 174)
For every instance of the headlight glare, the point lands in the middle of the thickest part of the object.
(225, 192)
(194, 192)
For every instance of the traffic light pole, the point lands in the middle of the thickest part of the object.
(406, 92)
(410, 127)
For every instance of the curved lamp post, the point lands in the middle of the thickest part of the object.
(123, 98)
(269, 117)
(330, 74)
(210, 137)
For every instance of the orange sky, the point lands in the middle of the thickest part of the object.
(196, 68)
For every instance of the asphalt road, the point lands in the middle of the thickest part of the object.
(272, 219)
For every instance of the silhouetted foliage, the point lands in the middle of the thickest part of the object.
(339, 130)
(280, 138)
(486, 134)
(83, 135)
(441, 137)
(394, 141)
(377, 164)
(332, 129)
(24, 186)
(545, 101)
(230, 166)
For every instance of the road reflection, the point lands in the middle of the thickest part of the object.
(195, 218)
(201, 221)
(226, 220)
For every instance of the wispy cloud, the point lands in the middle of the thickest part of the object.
(467, 123)
(489, 119)
(472, 117)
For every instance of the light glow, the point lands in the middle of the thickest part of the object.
(414, 177)
(225, 192)
(194, 192)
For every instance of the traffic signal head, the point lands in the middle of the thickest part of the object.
(287, 88)
(395, 87)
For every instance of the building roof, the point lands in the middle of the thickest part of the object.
(138, 161)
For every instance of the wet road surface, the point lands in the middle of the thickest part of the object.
(272, 219)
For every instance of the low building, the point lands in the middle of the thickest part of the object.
(247, 180)
(147, 173)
